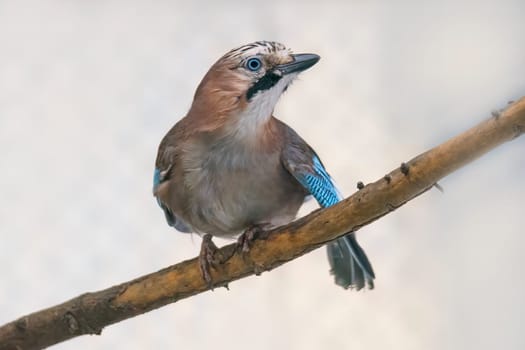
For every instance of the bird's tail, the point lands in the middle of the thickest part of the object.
(349, 263)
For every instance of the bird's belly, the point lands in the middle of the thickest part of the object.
(230, 201)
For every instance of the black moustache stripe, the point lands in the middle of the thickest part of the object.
(266, 82)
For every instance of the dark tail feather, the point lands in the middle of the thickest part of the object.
(349, 263)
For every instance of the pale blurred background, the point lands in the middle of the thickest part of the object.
(88, 88)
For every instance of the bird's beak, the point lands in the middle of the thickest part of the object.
(301, 62)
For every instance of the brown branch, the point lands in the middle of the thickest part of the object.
(91, 312)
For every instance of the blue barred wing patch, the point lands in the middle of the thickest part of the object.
(156, 183)
(156, 179)
(320, 185)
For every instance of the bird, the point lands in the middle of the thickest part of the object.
(229, 168)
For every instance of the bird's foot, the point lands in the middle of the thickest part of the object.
(209, 257)
(251, 234)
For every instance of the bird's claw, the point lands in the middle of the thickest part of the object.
(246, 239)
(209, 257)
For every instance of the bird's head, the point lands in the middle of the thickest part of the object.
(242, 88)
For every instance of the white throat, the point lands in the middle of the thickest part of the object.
(260, 109)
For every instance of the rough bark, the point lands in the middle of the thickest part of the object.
(91, 312)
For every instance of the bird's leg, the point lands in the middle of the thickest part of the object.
(251, 234)
(209, 256)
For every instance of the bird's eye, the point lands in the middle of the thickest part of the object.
(253, 64)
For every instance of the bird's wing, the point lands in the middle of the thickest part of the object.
(348, 261)
(305, 166)
(163, 180)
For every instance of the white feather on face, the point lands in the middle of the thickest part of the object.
(260, 108)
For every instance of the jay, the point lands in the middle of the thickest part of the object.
(230, 168)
